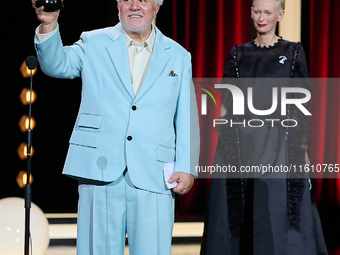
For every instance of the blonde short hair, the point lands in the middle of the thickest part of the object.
(280, 3)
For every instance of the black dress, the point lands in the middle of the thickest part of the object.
(275, 215)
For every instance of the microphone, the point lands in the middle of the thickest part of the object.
(50, 5)
(31, 62)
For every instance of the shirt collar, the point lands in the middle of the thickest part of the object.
(148, 42)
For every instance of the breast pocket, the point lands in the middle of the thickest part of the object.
(171, 80)
(168, 87)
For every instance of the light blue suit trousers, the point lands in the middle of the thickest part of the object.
(108, 212)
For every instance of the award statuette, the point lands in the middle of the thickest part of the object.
(50, 5)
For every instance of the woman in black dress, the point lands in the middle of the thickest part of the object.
(276, 214)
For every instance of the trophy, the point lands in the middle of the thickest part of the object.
(50, 5)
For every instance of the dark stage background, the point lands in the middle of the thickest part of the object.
(208, 29)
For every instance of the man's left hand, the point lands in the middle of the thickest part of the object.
(184, 180)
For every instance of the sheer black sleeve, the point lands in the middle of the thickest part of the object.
(301, 64)
(229, 69)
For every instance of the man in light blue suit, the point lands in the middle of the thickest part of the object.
(138, 118)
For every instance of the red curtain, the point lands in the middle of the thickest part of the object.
(210, 30)
(324, 56)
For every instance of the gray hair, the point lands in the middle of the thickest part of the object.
(160, 2)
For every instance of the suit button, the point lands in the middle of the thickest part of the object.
(129, 138)
(134, 108)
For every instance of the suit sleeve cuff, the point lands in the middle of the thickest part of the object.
(44, 37)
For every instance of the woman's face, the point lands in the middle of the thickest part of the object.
(265, 15)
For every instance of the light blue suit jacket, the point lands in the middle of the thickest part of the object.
(115, 129)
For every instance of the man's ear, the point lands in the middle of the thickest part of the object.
(156, 10)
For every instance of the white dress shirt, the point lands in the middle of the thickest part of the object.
(139, 58)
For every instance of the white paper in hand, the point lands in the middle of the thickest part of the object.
(169, 169)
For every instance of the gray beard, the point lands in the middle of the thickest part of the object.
(139, 30)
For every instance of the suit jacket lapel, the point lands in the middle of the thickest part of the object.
(119, 57)
(158, 62)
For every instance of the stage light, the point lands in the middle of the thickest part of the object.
(25, 96)
(22, 179)
(22, 151)
(12, 227)
(25, 72)
(24, 122)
